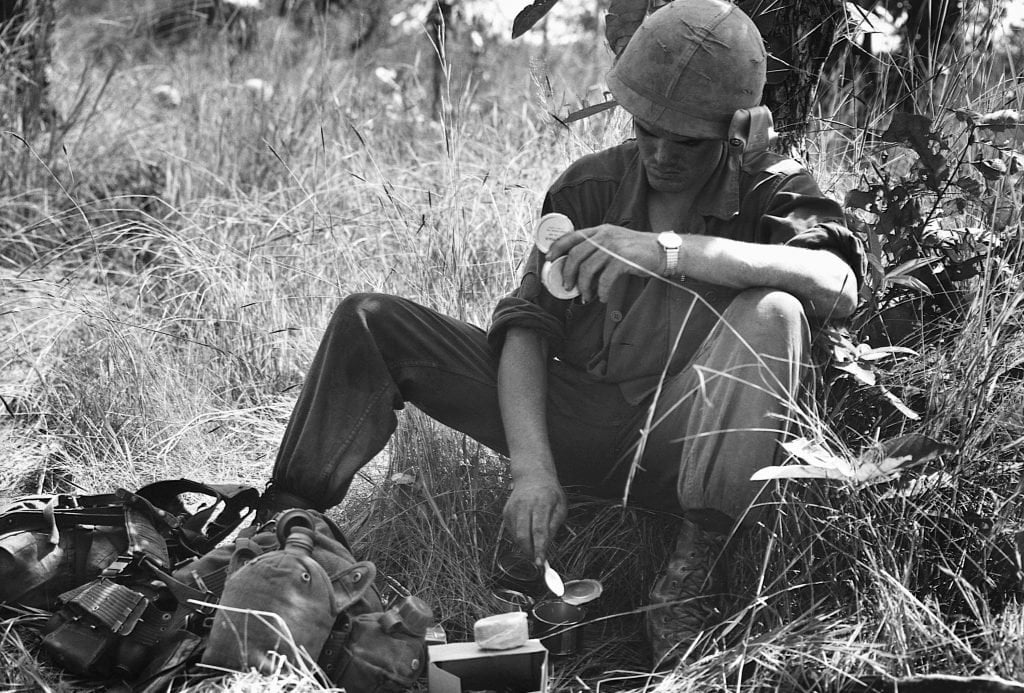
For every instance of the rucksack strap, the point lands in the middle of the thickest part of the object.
(201, 531)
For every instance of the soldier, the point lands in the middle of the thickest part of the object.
(699, 259)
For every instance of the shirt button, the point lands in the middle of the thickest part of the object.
(616, 316)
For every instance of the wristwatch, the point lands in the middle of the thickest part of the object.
(670, 242)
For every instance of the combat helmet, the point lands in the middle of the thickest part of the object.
(690, 66)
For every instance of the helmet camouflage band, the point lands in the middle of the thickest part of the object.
(689, 67)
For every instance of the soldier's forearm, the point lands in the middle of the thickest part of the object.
(820, 279)
(522, 395)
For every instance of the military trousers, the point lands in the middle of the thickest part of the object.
(694, 443)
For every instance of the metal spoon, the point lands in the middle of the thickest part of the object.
(553, 580)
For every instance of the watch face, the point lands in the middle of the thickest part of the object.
(668, 239)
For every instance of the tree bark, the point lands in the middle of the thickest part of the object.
(799, 35)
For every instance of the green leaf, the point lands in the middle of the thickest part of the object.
(919, 447)
(911, 283)
(530, 15)
(909, 266)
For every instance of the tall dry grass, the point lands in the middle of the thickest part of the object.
(165, 274)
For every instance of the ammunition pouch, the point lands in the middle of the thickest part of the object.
(134, 580)
(367, 655)
(52, 544)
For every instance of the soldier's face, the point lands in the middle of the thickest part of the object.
(674, 163)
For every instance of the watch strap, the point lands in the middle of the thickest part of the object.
(671, 261)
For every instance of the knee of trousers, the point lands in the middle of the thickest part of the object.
(767, 312)
(366, 308)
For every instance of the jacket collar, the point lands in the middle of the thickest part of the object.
(720, 196)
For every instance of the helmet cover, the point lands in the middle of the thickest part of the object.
(689, 67)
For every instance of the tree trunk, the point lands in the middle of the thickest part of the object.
(799, 35)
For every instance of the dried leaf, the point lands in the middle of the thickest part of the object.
(915, 130)
(900, 406)
(991, 169)
(588, 111)
(621, 22)
(966, 269)
(862, 199)
(819, 463)
(815, 453)
(969, 185)
(908, 128)
(403, 479)
(858, 371)
(938, 236)
(530, 15)
(874, 466)
(795, 471)
(997, 121)
(921, 485)
(967, 115)
(885, 352)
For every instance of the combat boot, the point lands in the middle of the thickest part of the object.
(273, 500)
(686, 598)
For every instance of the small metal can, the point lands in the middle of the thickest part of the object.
(519, 573)
(551, 277)
(559, 627)
(550, 228)
(511, 600)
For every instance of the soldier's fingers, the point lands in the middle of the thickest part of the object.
(590, 275)
(540, 540)
(569, 241)
(576, 257)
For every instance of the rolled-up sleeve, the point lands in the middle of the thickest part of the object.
(800, 215)
(525, 308)
(531, 307)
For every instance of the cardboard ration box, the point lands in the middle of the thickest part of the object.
(463, 666)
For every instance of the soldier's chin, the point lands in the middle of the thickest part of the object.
(666, 184)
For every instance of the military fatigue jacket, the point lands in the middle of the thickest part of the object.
(649, 322)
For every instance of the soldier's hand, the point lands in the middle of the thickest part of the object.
(596, 257)
(533, 513)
